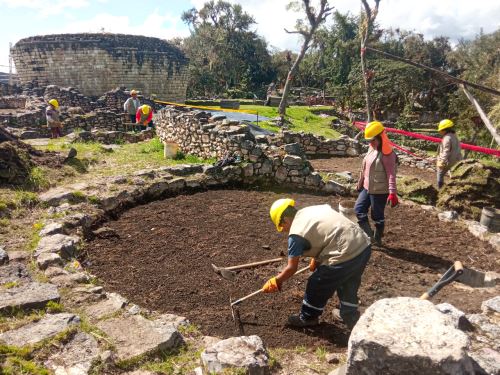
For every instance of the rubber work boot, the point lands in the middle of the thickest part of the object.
(377, 236)
(365, 225)
(297, 321)
(350, 320)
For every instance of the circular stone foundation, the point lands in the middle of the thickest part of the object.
(162, 253)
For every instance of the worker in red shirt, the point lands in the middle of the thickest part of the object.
(144, 116)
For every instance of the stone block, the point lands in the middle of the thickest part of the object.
(135, 335)
(57, 243)
(32, 333)
(407, 336)
(45, 260)
(293, 161)
(245, 353)
(76, 357)
(4, 257)
(27, 296)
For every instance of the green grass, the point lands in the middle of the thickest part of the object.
(38, 179)
(92, 161)
(54, 307)
(35, 236)
(20, 366)
(10, 285)
(321, 353)
(182, 361)
(25, 198)
(302, 119)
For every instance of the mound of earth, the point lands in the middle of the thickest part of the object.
(161, 256)
(417, 190)
(18, 158)
(473, 185)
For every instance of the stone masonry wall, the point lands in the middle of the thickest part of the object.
(6, 89)
(12, 102)
(196, 135)
(77, 111)
(317, 145)
(96, 63)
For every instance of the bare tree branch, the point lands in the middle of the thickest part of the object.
(315, 20)
(296, 32)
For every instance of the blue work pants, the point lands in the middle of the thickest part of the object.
(377, 202)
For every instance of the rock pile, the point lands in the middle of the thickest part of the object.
(473, 185)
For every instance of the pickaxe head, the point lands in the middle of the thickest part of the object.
(226, 274)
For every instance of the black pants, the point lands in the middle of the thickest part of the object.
(343, 278)
(132, 119)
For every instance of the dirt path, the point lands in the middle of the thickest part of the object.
(353, 165)
(162, 258)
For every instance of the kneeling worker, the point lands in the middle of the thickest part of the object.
(144, 116)
(339, 250)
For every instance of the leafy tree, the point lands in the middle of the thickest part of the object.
(478, 61)
(224, 53)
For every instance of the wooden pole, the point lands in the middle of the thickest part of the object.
(485, 118)
(437, 71)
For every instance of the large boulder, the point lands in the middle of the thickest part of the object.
(473, 185)
(407, 336)
(246, 353)
(417, 190)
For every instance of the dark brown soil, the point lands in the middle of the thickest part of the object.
(162, 258)
(353, 165)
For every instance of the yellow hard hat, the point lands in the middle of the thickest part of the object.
(373, 129)
(277, 210)
(133, 92)
(445, 124)
(54, 103)
(146, 109)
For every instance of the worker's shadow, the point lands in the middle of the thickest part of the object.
(335, 334)
(426, 260)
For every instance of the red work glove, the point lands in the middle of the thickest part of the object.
(393, 200)
(271, 286)
(312, 265)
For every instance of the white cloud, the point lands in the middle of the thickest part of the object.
(452, 18)
(160, 25)
(46, 8)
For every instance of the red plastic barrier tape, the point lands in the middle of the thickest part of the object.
(484, 150)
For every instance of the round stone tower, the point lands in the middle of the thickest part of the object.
(97, 63)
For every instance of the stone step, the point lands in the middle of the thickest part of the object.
(32, 333)
(135, 335)
(76, 357)
(27, 296)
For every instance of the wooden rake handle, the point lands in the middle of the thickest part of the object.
(452, 274)
(253, 264)
(238, 301)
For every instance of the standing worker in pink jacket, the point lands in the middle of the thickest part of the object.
(377, 182)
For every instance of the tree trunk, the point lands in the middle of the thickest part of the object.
(290, 76)
(485, 118)
(366, 80)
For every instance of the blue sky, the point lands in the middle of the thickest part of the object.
(22, 18)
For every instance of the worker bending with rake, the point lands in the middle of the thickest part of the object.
(339, 250)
